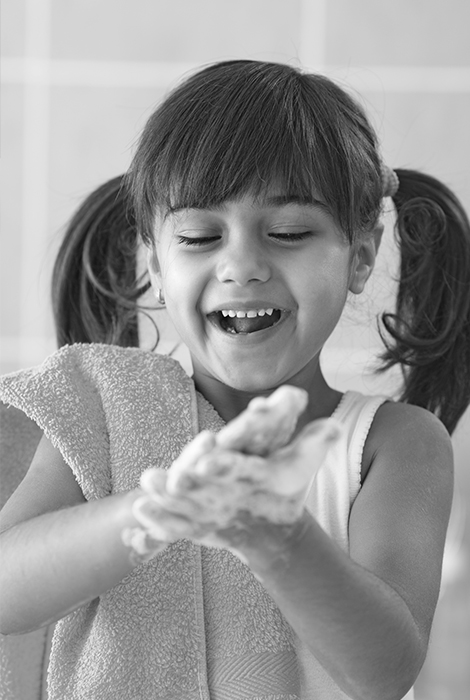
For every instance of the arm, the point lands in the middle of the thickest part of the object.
(367, 617)
(58, 551)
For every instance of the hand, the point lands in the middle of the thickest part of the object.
(266, 424)
(220, 487)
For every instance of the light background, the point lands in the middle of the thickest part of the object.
(79, 79)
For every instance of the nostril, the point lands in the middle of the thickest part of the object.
(243, 269)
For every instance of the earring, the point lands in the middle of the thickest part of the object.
(160, 297)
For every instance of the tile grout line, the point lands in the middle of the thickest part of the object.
(312, 34)
(88, 73)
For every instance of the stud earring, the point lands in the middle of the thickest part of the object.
(160, 297)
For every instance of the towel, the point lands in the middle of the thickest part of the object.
(191, 623)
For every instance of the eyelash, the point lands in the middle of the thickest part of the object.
(203, 240)
(206, 240)
(300, 236)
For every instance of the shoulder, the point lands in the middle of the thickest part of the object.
(409, 469)
(74, 365)
(404, 433)
(86, 389)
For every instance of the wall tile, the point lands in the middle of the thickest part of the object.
(367, 32)
(94, 133)
(428, 132)
(11, 142)
(174, 30)
(12, 27)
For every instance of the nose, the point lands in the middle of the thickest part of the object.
(243, 261)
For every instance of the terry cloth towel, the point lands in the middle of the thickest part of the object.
(114, 412)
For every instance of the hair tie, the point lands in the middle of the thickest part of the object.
(390, 181)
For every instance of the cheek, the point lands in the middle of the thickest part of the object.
(175, 276)
(183, 289)
(324, 309)
(324, 292)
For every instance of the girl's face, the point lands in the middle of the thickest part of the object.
(255, 287)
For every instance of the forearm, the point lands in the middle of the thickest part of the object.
(357, 626)
(58, 561)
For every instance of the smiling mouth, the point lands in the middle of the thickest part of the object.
(244, 322)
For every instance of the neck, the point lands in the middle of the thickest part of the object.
(230, 402)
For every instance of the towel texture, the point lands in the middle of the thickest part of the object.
(193, 622)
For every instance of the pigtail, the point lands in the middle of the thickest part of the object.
(429, 332)
(94, 285)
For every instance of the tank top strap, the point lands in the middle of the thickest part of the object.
(356, 412)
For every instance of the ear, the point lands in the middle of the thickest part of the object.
(364, 259)
(154, 270)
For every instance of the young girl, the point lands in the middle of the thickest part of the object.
(257, 190)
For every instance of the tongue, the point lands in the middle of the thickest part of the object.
(249, 325)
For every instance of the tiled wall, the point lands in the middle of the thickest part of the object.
(81, 76)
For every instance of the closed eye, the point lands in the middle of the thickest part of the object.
(282, 236)
(291, 237)
(198, 240)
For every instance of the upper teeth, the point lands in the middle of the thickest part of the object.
(246, 314)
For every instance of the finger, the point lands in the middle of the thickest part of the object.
(227, 466)
(153, 480)
(142, 543)
(211, 503)
(215, 501)
(160, 523)
(178, 504)
(179, 474)
(266, 424)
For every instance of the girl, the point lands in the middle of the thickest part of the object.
(257, 190)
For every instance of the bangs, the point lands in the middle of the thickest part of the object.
(221, 167)
(243, 126)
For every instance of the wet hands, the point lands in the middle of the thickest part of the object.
(226, 486)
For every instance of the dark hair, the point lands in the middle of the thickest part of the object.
(94, 284)
(242, 126)
(429, 331)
